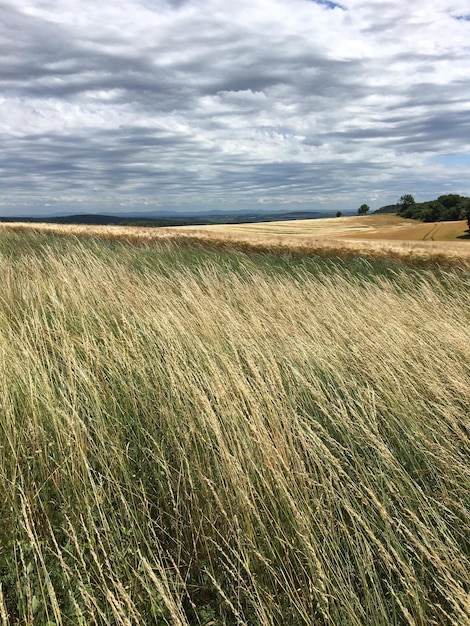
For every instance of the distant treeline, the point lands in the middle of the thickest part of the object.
(445, 208)
(192, 219)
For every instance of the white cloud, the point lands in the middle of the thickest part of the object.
(185, 101)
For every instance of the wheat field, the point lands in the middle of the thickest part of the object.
(190, 436)
(384, 227)
(370, 236)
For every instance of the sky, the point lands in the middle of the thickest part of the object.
(248, 105)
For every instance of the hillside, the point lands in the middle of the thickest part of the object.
(167, 219)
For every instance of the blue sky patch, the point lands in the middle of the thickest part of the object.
(330, 5)
(453, 160)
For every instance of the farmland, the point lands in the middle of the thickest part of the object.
(374, 236)
(378, 227)
(264, 432)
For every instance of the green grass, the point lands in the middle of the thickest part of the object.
(192, 436)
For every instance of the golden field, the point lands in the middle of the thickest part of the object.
(372, 236)
(378, 227)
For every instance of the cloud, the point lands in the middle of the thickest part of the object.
(190, 104)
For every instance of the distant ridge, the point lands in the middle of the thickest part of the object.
(389, 208)
(160, 220)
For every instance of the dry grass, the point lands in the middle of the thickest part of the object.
(195, 437)
(374, 236)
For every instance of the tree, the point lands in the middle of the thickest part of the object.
(338, 214)
(449, 207)
(363, 209)
(431, 211)
(406, 201)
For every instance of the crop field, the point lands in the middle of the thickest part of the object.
(374, 237)
(382, 227)
(194, 435)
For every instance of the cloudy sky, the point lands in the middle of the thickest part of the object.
(144, 105)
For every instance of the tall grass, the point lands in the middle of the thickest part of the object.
(197, 437)
(303, 238)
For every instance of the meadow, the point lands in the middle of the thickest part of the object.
(195, 435)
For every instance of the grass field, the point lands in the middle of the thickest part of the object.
(191, 436)
(374, 236)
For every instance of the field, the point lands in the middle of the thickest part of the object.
(378, 227)
(191, 435)
(371, 236)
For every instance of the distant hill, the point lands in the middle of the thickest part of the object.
(159, 220)
(389, 208)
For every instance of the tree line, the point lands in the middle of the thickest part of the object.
(449, 207)
(445, 208)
